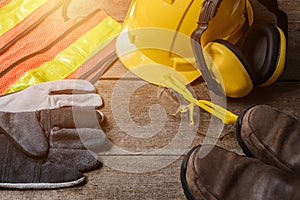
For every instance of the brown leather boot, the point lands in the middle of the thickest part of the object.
(215, 173)
(271, 136)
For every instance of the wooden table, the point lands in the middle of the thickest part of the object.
(139, 174)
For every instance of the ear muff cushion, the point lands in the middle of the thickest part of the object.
(245, 64)
(261, 48)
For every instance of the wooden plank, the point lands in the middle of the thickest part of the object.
(292, 71)
(283, 91)
(283, 95)
(107, 183)
(123, 128)
(135, 114)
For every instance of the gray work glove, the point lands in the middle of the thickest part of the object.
(49, 148)
(51, 95)
(42, 146)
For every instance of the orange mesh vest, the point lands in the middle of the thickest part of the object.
(38, 39)
(4, 2)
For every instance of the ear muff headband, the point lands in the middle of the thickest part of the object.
(282, 19)
(208, 11)
(261, 48)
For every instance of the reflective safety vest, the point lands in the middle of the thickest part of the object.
(47, 45)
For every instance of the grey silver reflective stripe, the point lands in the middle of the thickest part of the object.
(42, 185)
(104, 69)
(109, 58)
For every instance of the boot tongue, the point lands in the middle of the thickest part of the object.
(25, 132)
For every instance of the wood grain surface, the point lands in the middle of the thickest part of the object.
(117, 179)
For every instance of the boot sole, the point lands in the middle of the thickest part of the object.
(187, 191)
(238, 133)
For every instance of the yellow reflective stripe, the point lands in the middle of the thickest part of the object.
(16, 11)
(71, 58)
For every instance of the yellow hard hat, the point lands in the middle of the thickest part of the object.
(155, 38)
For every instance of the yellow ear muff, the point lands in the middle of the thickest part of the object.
(228, 70)
(260, 62)
(280, 62)
(264, 47)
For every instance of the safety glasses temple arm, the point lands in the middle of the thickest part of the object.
(226, 116)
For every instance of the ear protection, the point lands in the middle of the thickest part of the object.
(259, 59)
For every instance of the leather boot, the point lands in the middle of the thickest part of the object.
(270, 136)
(215, 173)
